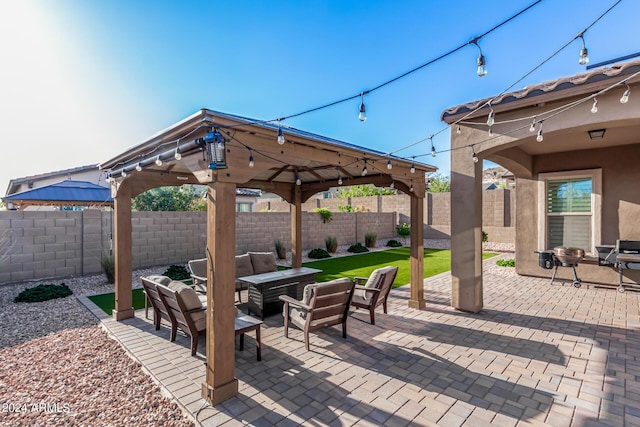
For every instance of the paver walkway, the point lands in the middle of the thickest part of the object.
(536, 355)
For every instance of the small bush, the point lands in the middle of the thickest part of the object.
(357, 248)
(177, 272)
(325, 214)
(403, 230)
(43, 293)
(370, 240)
(394, 243)
(109, 267)
(506, 262)
(485, 236)
(318, 253)
(345, 208)
(281, 251)
(331, 243)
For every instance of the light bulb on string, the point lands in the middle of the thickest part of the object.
(594, 108)
(413, 168)
(392, 185)
(491, 119)
(584, 53)
(490, 132)
(411, 187)
(433, 149)
(177, 154)
(124, 173)
(251, 162)
(540, 138)
(625, 96)
(158, 161)
(364, 169)
(474, 156)
(139, 167)
(280, 135)
(389, 165)
(481, 62)
(458, 130)
(532, 128)
(339, 180)
(362, 116)
(298, 180)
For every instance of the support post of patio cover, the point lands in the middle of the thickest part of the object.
(122, 252)
(296, 228)
(466, 232)
(221, 383)
(417, 300)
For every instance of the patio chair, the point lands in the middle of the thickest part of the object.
(375, 290)
(322, 305)
(198, 270)
(151, 294)
(186, 311)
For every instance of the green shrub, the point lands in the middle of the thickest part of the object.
(357, 248)
(506, 262)
(281, 251)
(403, 230)
(331, 243)
(177, 272)
(370, 240)
(325, 214)
(318, 253)
(485, 236)
(109, 267)
(43, 293)
(394, 243)
(345, 208)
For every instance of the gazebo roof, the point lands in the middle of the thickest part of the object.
(63, 193)
(317, 160)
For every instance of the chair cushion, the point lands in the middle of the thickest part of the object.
(157, 278)
(263, 262)
(188, 296)
(243, 265)
(299, 316)
(372, 282)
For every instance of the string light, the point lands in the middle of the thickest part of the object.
(540, 138)
(482, 62)
(594, 108)
(584, 53)
(339, 180)
(298, 180)
(124, 173)
(413, 167)
(389, 165)
(280, 134)
(491, 119)
(625, 96)
(392, 185)
(458, 130)
(139, 167)
(433, 149)
(490, 132)
(411, 187)
(474, 156)
(158, 161)
(364, 169)
(532, 128)
(363, 110)
(177, 154)
(251, 163)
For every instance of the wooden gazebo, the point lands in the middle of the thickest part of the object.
(222, 151)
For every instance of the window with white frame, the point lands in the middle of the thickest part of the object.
(569, 209)
(243, 207)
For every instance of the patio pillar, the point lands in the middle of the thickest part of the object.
(417, 300)
(296, 228)
(466, 232)
(221, 383)
(122, 252)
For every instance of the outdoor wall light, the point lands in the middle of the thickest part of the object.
(215, 149)
(596, 133)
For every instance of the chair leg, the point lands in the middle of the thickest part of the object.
(384, 306)
(194, 344)
(239, 295)
(286, 319)
(372, 315)
(306, 339)
(344, 329)
(174, 330)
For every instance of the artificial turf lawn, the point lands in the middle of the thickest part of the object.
(107, 302)
(436, 261)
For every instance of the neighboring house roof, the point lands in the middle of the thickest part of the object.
(489, 186)
(558, 85)
(247, 192)
(63, 193)
(15, 183)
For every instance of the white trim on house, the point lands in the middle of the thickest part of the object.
(596, 204)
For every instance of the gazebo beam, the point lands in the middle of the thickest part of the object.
(417, 300)
(296, 227)
(122, 252)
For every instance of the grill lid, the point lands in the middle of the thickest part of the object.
(568, 255)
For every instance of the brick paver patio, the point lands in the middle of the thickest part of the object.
(536, 355)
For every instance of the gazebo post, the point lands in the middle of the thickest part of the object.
(122, 252)
(417, 300)
(221, 383)
(296, 228)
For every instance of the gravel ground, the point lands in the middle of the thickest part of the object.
(59, 367)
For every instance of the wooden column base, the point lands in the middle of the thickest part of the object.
(417, 304)
(123, 314)
(213, 396)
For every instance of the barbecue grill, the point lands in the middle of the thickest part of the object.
(562, 256)
(627, 257)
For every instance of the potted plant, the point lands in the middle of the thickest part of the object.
(281, 251)
(370, 240)
(331, 243)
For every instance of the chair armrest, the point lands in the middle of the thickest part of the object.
(359, 279)
(195, 310)
(203, 279)
(367, 289)
(293, 301)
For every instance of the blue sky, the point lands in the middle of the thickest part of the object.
(84, 80)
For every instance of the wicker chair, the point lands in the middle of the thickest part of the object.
(375, 291)
(322, 305)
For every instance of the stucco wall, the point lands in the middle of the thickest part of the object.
(620, 207)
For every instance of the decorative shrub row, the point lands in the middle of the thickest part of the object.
(357, 248)
(43, 293)
(394, 243)
(506, 262)
(318, 253)
(177, 272)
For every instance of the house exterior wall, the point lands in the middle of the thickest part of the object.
(620, 208)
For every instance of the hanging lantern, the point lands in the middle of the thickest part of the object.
(214, 147)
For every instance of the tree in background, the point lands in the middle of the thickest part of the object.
(165, 199)
(364, 191)
(439, 183)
